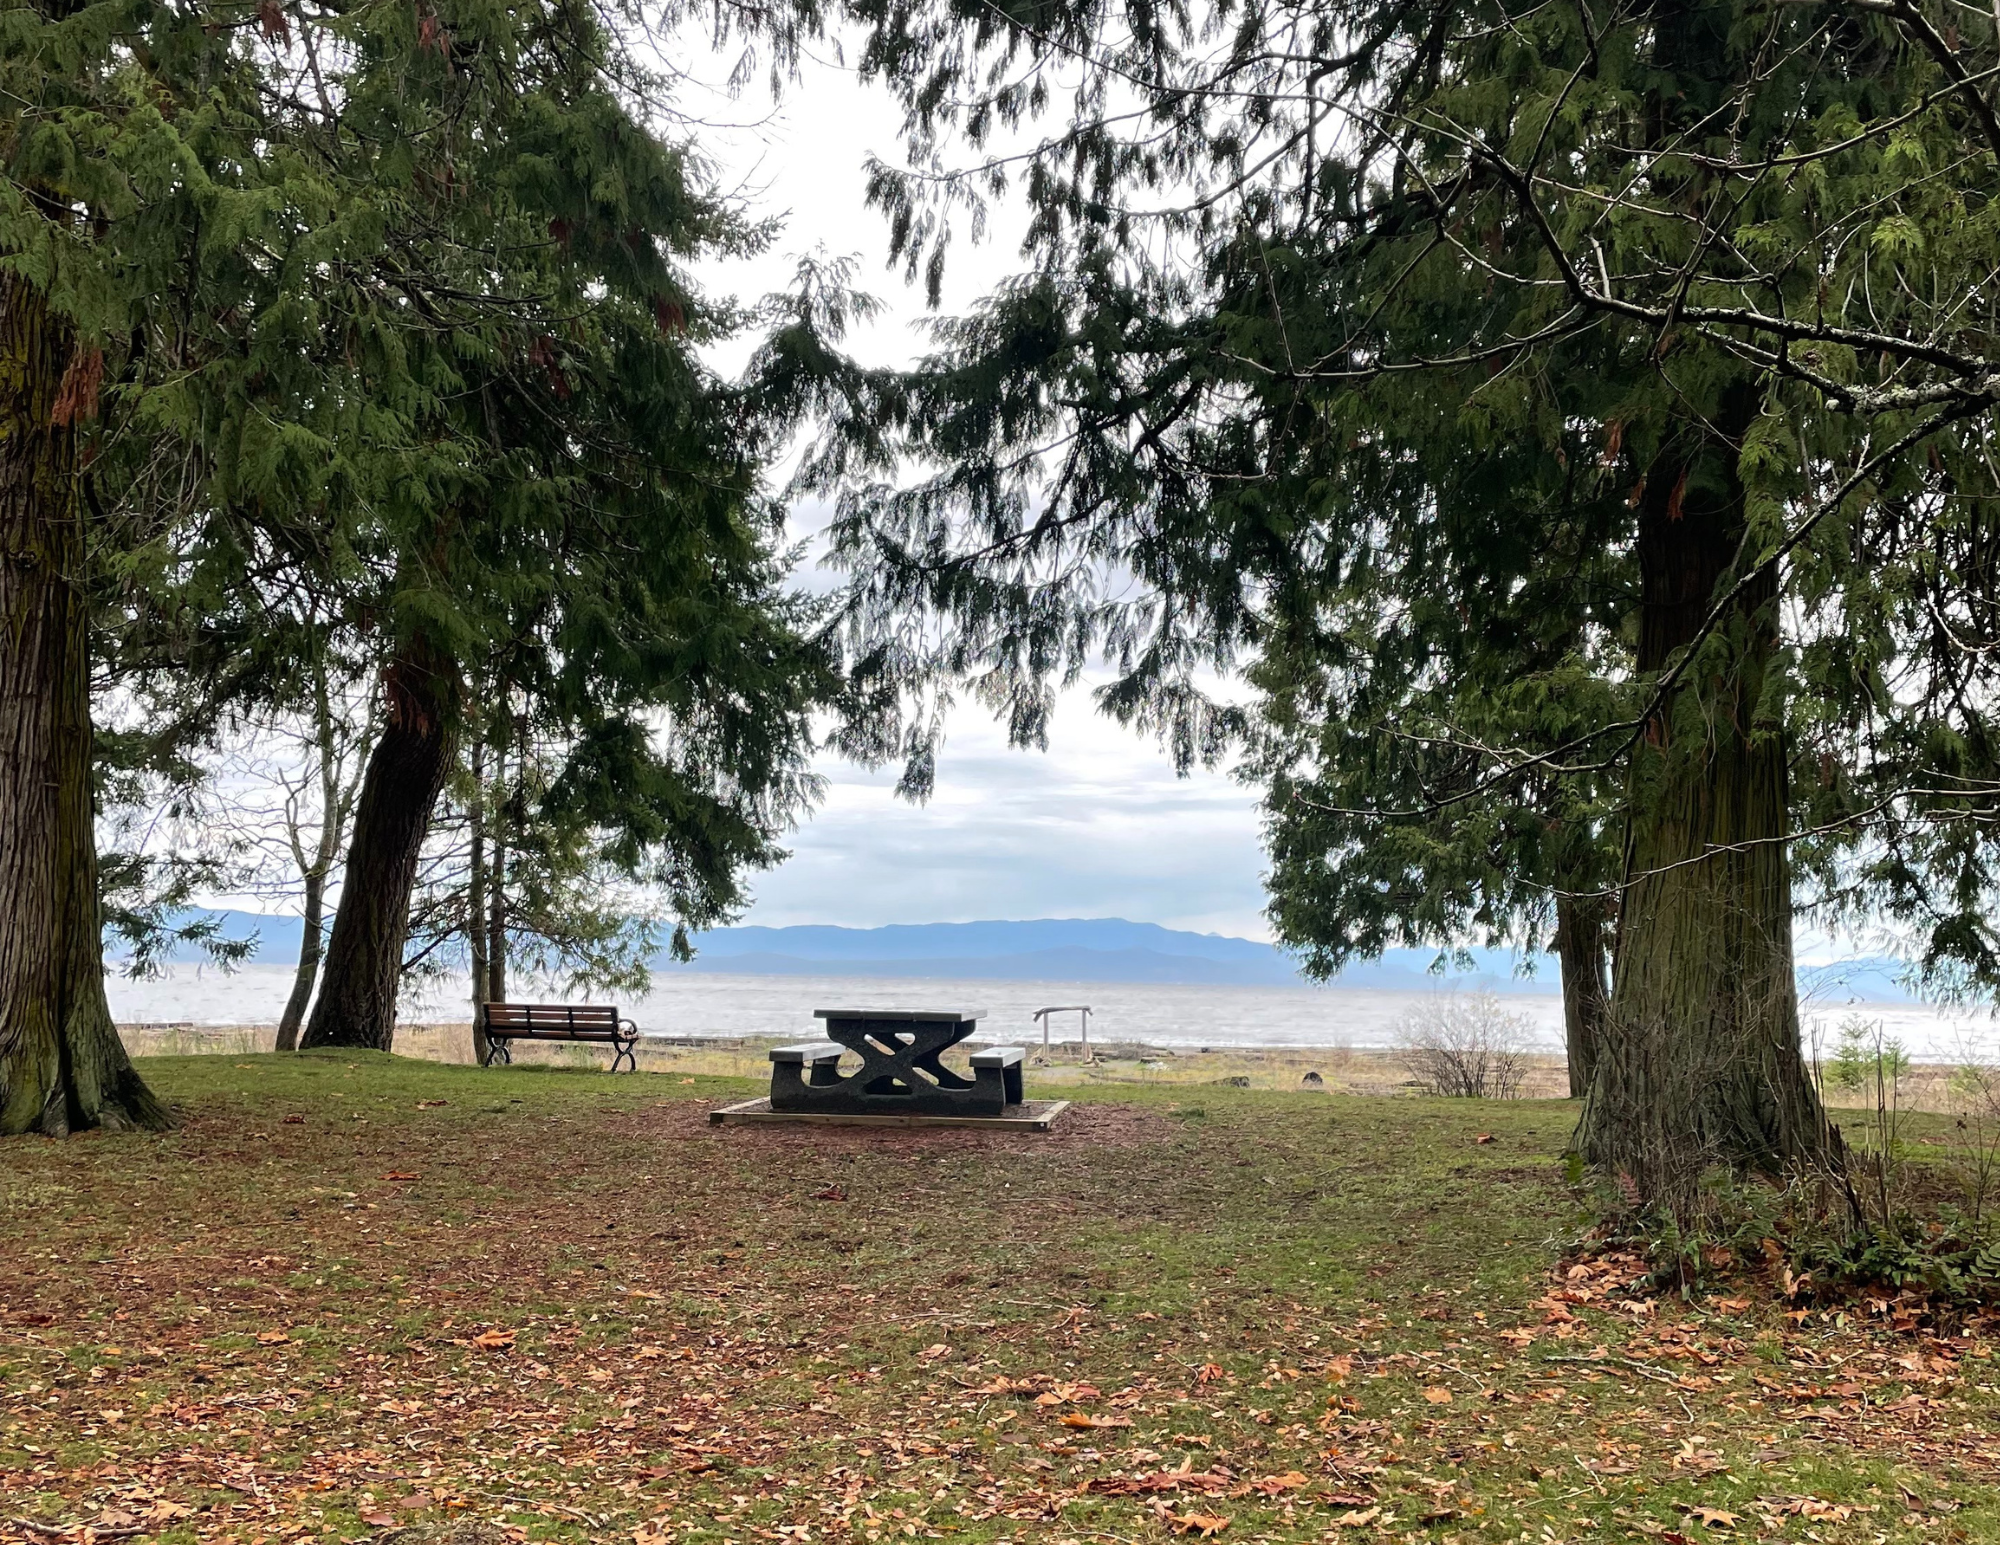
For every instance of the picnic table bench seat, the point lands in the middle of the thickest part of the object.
(586, 1022)
(798, 1070)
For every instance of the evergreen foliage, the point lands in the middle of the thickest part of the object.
(378, 339)
(1581, 416)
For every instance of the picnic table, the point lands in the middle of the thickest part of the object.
(900, 1070)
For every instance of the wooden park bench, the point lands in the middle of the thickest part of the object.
(595, 1023)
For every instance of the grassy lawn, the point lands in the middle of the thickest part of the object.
(357, 1295)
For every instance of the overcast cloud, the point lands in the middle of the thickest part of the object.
(1099, 826)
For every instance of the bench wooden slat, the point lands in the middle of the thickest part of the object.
(589, 1022)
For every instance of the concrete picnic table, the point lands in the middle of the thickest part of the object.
(900, 1072)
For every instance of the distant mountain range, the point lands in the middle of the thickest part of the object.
(1101, 949)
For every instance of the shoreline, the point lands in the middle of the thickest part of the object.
(1359, 1070)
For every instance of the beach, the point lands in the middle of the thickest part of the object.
(705, 1006)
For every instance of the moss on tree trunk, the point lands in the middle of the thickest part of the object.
(356, 1005)
(62, 1067)
(1582, 925)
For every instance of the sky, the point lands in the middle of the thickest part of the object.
(1099, 825)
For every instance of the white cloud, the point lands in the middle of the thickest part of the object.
(1097, 826)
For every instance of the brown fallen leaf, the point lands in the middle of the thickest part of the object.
(1083, 1419)
(1713, 1517)
(1360, 1519)
(1483, 1138)
(295, 1121)
(1438, 1395)
(1002, 1385)
(400, 1174)
(378, 1520)
(271, 1338)
(1277, 1485)
(1201, 1525)
(494, 1340)
(429, 1104)
(830, 1194)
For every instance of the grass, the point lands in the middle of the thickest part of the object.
(358, 1296)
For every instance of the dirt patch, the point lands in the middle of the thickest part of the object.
(1081, 1126)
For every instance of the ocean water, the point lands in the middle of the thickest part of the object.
(1180, 1017)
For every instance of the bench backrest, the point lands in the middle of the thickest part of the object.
(552, 1017)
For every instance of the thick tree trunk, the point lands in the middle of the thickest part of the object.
(1700, 1064)
(62, 1067)
(399, 790)
(312, 941)
(1582, 929)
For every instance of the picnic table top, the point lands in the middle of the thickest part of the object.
(914, 1016)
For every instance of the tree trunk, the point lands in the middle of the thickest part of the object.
(1700, 1064)
(62, 1066)
(496, 880)
(406, 770)
(312, 940)
(475, 909)
(1582, 926)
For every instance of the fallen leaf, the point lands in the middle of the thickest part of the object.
(830, 1194)
(378, 1520)
(1483, 1138)
(493, 1340)
(1353, 1519)
(1208, 1373)
(1084, 1419)
(1002, 1385)
(1713, 1517)
(429, 1104)
(1276, 1485)
(271, 1338)
(1438, 1395)
(1199, 1524)
(295, 1121)
(400, 1174)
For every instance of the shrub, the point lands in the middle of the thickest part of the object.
(1865, 1057)
(1464, 1045)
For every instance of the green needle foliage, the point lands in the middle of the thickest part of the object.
(363, 334)
(1582, 417)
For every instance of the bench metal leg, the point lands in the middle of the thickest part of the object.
(623, 1053)
(498, 1053)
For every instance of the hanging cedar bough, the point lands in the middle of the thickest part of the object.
(1579, 422)
(366, 325)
